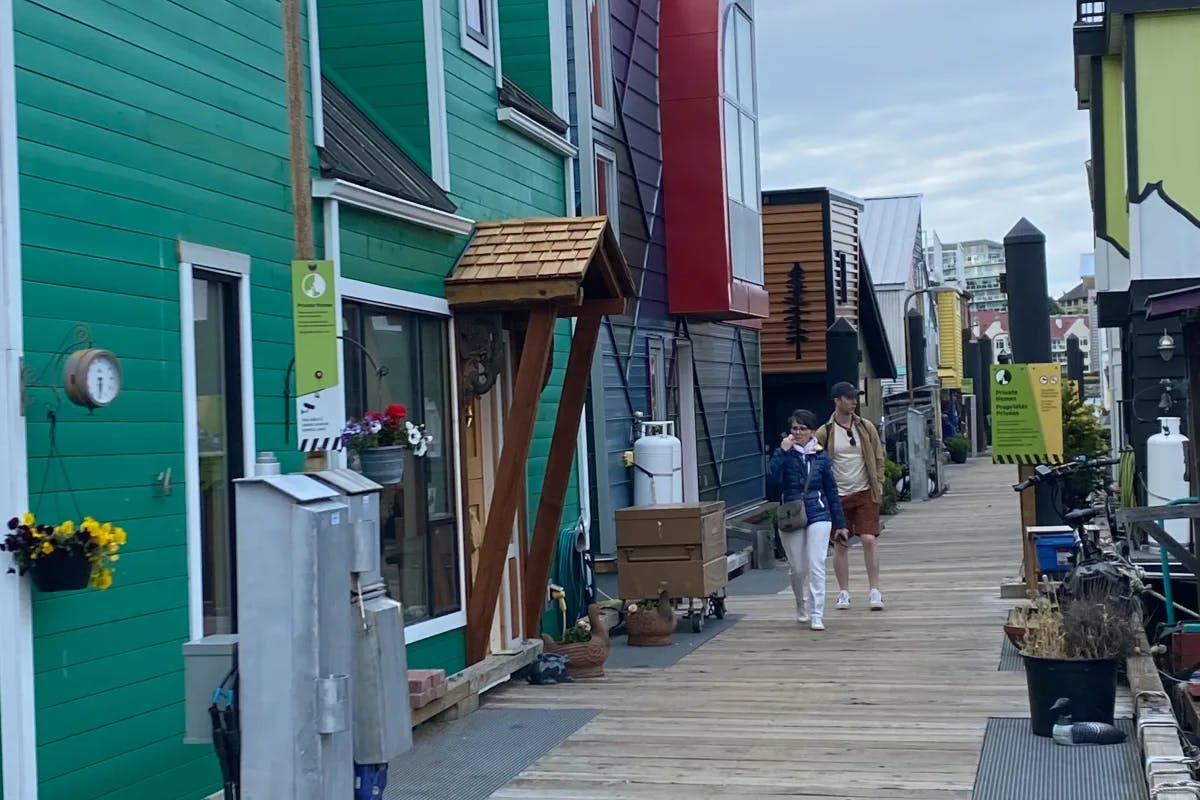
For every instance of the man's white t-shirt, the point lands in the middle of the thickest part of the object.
(849, 468)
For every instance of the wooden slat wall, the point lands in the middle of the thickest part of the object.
(791, 234)
(844, 227)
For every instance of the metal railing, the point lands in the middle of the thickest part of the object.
(1090, 12)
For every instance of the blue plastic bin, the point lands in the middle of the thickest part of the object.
(1054, 551)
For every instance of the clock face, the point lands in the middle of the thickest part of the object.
(103, 380)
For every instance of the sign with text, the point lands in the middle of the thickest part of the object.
(1027, 414)
(320, 402)
(968, 386)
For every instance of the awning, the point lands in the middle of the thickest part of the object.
(561, 261)
(1173, 304)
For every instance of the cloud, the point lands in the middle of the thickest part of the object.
(970, 107)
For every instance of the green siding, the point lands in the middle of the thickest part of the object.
(138, 128)
(1114, 192)
(396, 254)
(446, 651)
(495, 172)
(525, 46)
(377, 51)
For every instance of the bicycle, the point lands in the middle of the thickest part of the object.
(1087, 547)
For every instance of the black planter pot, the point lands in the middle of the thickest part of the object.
(62, 573)
(1091, 686)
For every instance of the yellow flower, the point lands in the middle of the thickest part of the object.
(114, 547)
(115, 558)
(119, 535)
(29, 519)
(68, 527)
(47, 547)
(100, 537)
(104, 579)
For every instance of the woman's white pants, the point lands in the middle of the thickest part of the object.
(806, 552)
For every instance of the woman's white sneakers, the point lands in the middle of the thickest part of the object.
(801, 616)
(817, 624)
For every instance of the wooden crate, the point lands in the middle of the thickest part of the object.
(680, 544)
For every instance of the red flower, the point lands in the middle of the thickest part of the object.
(396, 411)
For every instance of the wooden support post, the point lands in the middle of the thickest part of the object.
(1028, 520)
(518, 432)
(558, 465)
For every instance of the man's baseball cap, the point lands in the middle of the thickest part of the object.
(844, 389)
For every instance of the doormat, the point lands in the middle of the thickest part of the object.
(1010, 657)
(471, 758)
(1015, 763)
(622, 656)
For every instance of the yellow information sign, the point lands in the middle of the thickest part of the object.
(1027, 414)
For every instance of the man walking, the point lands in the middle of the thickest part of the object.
(853, 445)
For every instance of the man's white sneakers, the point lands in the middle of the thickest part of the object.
(843, 601)
(876, 600)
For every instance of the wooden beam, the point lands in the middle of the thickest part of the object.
(558, 464)
(612, 307)
(1165, 540)
(518, 432)
(1028, 520)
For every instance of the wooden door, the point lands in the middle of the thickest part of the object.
(482, 443)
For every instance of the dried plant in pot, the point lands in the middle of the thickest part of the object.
(1073, 651)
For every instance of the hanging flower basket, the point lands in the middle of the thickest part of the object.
(384, 465)
(64, 557)
(383, 442)
(62, 572)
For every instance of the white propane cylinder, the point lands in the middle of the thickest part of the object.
(1165, 467)
(659, 453)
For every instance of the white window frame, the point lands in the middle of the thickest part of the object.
(193, 257)
(605, 110)
(401, 300)
(613, 176)
(743, 110)
(484, 51)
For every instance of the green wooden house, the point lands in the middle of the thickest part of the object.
(150, 184)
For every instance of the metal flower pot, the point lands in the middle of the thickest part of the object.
(384, 465)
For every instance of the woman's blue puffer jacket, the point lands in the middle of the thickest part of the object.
(789, 468)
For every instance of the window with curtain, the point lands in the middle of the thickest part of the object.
(601, 58)
(394, 356)
(740, 108)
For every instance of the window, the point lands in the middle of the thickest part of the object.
(608, 190)
(599, 43)
(475, 28)
(396, 356)
(741, 120)
(219, 441)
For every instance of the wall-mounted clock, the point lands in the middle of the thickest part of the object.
(92, 377)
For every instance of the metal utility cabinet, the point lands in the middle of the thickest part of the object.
(679, 544)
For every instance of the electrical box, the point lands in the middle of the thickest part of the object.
(207, 663)
(361, 496)
(295, 642)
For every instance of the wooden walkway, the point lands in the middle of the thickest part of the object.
(885, 705)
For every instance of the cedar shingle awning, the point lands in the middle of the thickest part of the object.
(561, 261)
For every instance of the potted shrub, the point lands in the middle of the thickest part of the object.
(959, 448)
(64, 557)
(1073, 651)
(585, 644)
(382, 442)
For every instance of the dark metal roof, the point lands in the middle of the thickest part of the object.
(357, 150)
(513, 96)
(870, 321)
(1179, 302)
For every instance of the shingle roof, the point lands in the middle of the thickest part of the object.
(888, 229)
(1080, 292)
(538, 260)
(359, 151)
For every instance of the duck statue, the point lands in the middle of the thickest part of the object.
(1070, 733)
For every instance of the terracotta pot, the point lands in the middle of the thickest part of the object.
(650, 628)
(62, 573)
(384, 465)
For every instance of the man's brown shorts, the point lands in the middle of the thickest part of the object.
(862, 514)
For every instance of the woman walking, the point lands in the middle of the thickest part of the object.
(809, 512)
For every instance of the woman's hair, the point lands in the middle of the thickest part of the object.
(803, 417)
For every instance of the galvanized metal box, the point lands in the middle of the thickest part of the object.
(206, 663)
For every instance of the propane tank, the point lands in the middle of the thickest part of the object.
(658, 465)
(1165, 467)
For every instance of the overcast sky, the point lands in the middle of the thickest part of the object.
(968, 102)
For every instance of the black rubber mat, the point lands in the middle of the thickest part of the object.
(1016, 764)
(1010, 657)
(471, 758)
(622, 656)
